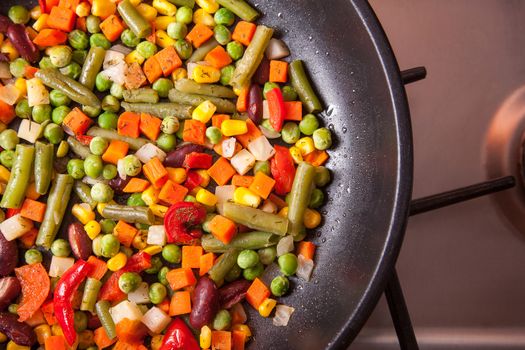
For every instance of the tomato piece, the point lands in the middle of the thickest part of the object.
(193, 179)
(283, 170)
(182, 222)
(35, 289)
(195, 160)
(276, 108)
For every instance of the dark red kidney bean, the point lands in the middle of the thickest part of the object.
(8, 255)
(79, 241)
(205, 303)
(93, 321)
(175, 158)
(118, 184)
(19, 332)
(5, 22)
(233, 293)
(18, 36)
(255, 104)
(9, 290)
(262, 74)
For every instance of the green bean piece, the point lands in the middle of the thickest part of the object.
(253, 56)
(102, 308)
(72, 88)
(142, 95)
(91, 67)
(202, 51)
(134, 143)
(248, 240)
(223, 265)
(188, 3)
(83, 192)
(255, 218)
(78, 148)
(15, 190)
(142, 215)
(303, 184)
(160, 110)
(191, 87)
(223, 105)
(241, 8)
(302, 86)
(56, 207)
(134, 20)
(89, 297)
(43, 166)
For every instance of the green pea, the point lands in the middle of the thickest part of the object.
(279, 286)
(9, 139)
(166, 142)
(227, 74)
(222, 320)
(18, 14)
(41, 113)
(129, 38)
(234, 274)
(247, 258)
(179, 132)
(101, 192)
(172, 253)
(132, 165)
(58, 98)
(99, 40)
(33, 256)
(146, 49)
(97, 245)
(224, 16)
(269, 86)
(322, 176)
(161, 276)
(110, 104)
(170, 125)
(252, 273)
(80, 321)
(135, 200)
(22, 109)
(59, 114)
(91, 111)
(75, 168)
(206, 223)
(98, 145)
(109, 171)
(107, 225)
(184, 15)
(60, 247)
(184, 49)
(309, 124)
(45, 62)
(290, 133)
(17, 67)
(108, 120)
(53, 133)
(60, 55)
(79, 56)
(157, 293)
(7, 157)
(93, 24)
(190, 198)
(235, 50)
(72, 70)
(262, 165)
(287, 264)
(222, 34)
(156, 264)
(78, 39)
(177, 30)
(316, 198)
(267, 255)
(214, 134)
(13, 308)
(117, 91)
(102, 82)
(289, 93)
(109, 245)
(129, 282)
(163, 86)
(93, 166)
(322, 139)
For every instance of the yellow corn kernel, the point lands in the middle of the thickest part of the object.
(295, 152)
(244, 196)
(205, 337)
(179, 73)
(152, 249)
(206, 74)
(42, 331)
(2, 126)
(283, 212)
(4, 174)
(163, 39)
(14, 346)
(83, 9)
(156, 342)
(31, 192)
(312, 218)
(206, 197)
(139, 241)
(210, 6)
(162, 22)
(92, 229)
(265, 309)
(234, 127)
(164, 7)
(243, 328)
(177, 175)
(150, 195)
(134, 56)
(103, 8)
(158, 210)
(205, 177)
(8, 49)
(86, 339)
(148, 12)
(117, 262)
(204, 112)
(195, 190)
(21, 86)
(305, 145)
(41, 22)
(135, 2)
(35, 12)
(56, 329)
(202, 17)
(83, 213)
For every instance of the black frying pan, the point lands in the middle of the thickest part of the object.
(357, 77)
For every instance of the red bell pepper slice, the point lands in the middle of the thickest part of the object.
(282, 169)
(195, 160)
(193, 179)
(84, 139)
(179, 336)
(276, 108)
(12, 212)
(42, 4)
(182, 221)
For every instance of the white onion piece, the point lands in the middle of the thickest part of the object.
(112, 58)
(150, 151)
(224, 194)
(59, 265)
(5, 73)
(282, 315)
(269, 207)
(156, 235)
(9, 94)
(269, 133)
(121, 48)
(228, 147)
(121, 169)
(14, 227)
(156, 320)
(92, 181)
(277, 49)
(125, 309)
(37, 93)
(305, 267)
(116, 73)
(29, 131)
(285, 245)
(140, 295)
(266, 110)
(261, 148)
(191, 66)
(243, 161)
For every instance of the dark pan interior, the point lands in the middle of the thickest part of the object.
(354, 70)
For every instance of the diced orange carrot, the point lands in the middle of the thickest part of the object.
(30, 71)
(29, 238)
(33, 210)
(222, 228)
(221, 340)
(242, 180)
(81, 24)
(164, 306)
(199, 35)
(98, 267)
(221, 171)
(69, 4)
(194, 131)
(257, 293)
(155, 172)
(306, 249)
(125, 233)
(252, 133)
(77, 121)
(115, 151)
(168, 59)
(206, 263)
(136, 185)
(134, 76)
(238, 340)
(218, 57)
(316, 158)
(180, 303)
(293, 110)
(242, 100)
(55, 342)
(50, 37)
(278, 71)
(48, 310)
(62, 19)
(191, 256)
(180, 278)
(131, 331)
(128, 124)
(262, 184)
(112, 27)
(243, 32)
(172, 193)
(150, 126)
(7, 113)
(217, 119)
(152, 69)
(101, 338)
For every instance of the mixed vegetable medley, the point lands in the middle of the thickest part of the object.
(145, 127)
